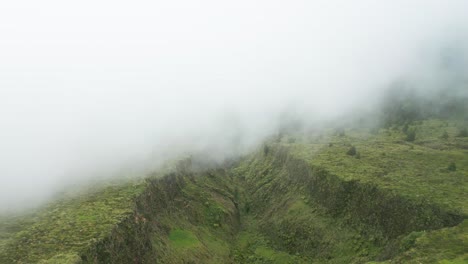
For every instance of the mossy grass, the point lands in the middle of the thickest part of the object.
(183, 239)
(416, 170)
(68, 225)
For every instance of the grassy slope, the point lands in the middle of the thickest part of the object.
(283, 225)
(447, 245)
(199, 222)
(173, 219)
(263, 212)
(61, 230)
(417, 170)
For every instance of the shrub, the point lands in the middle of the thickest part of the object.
(266, 149)
(452, 167)
(445, 135)
(352, 151)
(247, 207)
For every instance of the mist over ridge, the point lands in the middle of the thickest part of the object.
(91, 88)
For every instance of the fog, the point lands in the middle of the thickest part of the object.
(88, 88)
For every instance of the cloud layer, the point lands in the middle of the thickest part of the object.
(90, 87)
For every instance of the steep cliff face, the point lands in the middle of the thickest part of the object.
(308, 211)
(179, 218)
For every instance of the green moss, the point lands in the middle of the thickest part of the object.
(181, 239)
(62, 259)
(447, 245)
(68, 225)
(410, 170)
(252, 247)
(274, 256)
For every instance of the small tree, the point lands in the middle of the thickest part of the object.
(452, 166)
(352, 151)
(266, 149)
(445, 135)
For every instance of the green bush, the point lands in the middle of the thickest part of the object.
(266, 149)
(352, 151)
(445, 135)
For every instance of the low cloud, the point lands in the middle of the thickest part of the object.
(92, 87)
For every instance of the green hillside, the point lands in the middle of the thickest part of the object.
(352, 195)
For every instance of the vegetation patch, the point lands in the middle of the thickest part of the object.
(183, 239)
